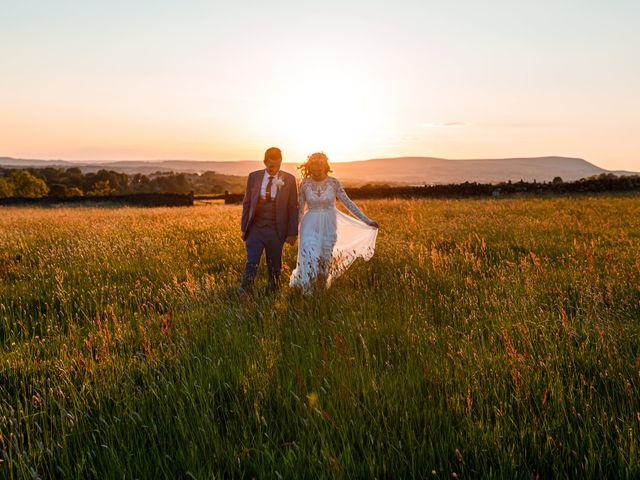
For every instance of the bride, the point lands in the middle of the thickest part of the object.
(329, 240)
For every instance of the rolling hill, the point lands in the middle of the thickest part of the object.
(402, 170)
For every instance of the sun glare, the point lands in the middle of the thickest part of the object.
(333, 112)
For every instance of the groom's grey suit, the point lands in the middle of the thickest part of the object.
(266, 225)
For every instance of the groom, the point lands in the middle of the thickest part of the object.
(269, 218)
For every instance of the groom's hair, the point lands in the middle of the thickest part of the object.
(273, 152)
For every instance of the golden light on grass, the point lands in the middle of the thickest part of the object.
(114, 334)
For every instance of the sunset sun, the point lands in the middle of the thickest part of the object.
(333, 111)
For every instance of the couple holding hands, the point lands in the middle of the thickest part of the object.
(275, 210)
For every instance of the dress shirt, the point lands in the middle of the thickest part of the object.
(274, 187)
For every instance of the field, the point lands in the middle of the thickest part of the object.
(486, 338)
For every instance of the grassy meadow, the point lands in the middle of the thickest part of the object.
(486, 338)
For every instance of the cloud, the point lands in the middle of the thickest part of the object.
(441, 124)
(486, 124)
(517, 125)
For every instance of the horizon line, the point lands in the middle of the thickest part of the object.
(154, 160)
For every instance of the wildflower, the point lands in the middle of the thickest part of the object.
(312, 398)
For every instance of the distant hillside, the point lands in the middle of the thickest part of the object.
(403, 170)
(420, 170)
(30, 162)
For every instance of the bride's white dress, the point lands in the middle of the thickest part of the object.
(329, 240)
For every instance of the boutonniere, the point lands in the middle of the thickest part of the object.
(279, 182)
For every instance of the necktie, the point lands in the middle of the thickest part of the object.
(267, 196)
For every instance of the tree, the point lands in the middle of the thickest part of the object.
(557, 179)
(172, 183)
(50, 175)
(6, 188)
(101, 187)
(27, 185)
(57, 190)
(118, 182)
(74, 178)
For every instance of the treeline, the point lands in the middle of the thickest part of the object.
(72, 182)
(605, 182)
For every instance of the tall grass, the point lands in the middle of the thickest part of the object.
(485, 338)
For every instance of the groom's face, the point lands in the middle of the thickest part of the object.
(273, 163)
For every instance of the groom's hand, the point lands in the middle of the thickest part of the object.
(291, 240)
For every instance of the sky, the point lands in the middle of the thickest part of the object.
(220, 80)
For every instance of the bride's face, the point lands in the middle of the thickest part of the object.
(318, 170)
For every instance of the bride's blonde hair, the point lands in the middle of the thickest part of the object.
(314, 157)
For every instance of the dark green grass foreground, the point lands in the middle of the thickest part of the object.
(484, 339)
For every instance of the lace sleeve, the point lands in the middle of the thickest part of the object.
(348, 203)
(301, 200)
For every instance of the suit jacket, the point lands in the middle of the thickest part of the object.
(286, 204)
